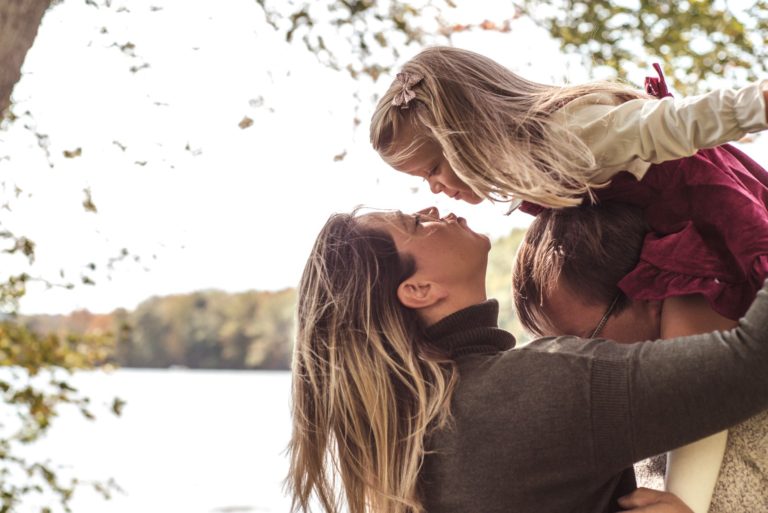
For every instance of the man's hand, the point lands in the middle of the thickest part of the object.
(645, 500)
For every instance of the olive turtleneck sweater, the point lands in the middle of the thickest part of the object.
(551, 426)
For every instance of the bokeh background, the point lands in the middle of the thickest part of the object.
(165, 167)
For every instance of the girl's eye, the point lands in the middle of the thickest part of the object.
(417, 219)
(433, 171)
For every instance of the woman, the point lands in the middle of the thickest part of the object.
(408, 397)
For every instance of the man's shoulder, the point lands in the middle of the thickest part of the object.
(570, 358)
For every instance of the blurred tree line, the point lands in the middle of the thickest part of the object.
(499, 281)
(219, 330)
(201, 330)
(694, 40)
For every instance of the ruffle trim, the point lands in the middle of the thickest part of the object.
(730, 299)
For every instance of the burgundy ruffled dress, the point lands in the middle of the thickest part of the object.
(709, 219)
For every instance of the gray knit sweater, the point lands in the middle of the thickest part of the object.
(549, 427)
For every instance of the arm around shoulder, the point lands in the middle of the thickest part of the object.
(683, 389)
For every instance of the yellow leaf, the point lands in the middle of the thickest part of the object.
(245, 122)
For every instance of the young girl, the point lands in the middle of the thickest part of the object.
(474, 130)
(495, 135)
(407, 397)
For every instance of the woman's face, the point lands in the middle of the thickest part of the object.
(429, 163)
(443, 247)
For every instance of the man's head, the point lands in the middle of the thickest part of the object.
(567, 270)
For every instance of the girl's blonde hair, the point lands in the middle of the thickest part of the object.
(367, 386)
(494, 127)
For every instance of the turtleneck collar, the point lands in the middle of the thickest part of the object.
(472, 330)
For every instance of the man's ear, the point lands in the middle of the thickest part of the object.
(419, 294)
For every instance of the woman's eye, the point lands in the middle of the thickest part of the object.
(433, 171)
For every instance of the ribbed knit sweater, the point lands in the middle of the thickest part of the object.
(551, 426)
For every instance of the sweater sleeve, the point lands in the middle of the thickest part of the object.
(649, 397)
(631, 135)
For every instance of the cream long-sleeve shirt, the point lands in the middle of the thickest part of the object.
(631, 136)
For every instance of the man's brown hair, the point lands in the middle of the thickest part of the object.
(588, 249)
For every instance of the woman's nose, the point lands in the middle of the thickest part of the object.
(431, 212)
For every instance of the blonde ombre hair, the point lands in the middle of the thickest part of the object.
(494, 127)
(367, 386)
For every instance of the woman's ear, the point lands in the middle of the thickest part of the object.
(418, 294)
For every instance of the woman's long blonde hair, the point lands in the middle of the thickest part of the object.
(367, 387)
(494, 127)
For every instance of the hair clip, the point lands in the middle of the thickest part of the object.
(657, 86)
(407, 81)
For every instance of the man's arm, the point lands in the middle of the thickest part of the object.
(650, 397)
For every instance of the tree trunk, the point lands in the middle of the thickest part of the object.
(19, 20)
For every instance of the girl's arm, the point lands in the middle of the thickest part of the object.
(631, 135)
(692, 470)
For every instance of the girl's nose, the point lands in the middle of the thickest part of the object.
(436, 187)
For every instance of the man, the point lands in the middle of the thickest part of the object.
(566, 282)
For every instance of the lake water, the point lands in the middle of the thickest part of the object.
(188, 441)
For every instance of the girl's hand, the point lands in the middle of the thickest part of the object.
(645, 500)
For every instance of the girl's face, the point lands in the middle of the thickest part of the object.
(429, 163)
